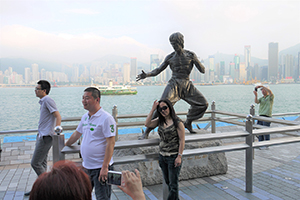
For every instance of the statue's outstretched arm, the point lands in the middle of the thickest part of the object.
(156, 71)
(198, 64)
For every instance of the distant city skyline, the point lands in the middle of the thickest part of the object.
(77, 32)
(240, 70)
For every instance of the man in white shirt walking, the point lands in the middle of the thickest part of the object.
(49, 118)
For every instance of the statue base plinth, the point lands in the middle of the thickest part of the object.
(192, 167)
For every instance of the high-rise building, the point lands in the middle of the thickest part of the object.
(75, 73)
(288, 65)
(222, 68)
(154, 63)
(27, 75)
(273, 61)
(236, 66)
(247, 55)
(93, 70)
(211, 62)
(232, 70)
(133, 68)
(211, 66)
(43, 74)
(243, 72)
(264, 73)
(126, 73)
(257, 75)
(298, 69)
(35, 72)
(49, 76)
(217, 72)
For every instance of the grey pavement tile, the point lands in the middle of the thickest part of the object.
(121, 196)
(5, 183)
(190, 193)
(3, 188)
(213, 191)
(156, 190)
(201, 191)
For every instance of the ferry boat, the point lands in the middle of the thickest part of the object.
(116, 89)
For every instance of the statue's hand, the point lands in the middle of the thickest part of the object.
(140, 76)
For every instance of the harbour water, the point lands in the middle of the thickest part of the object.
(19, 107)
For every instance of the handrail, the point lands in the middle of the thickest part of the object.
(139, 123)
(154, 142)
(251, 131)
(59, 150)
(247, 146)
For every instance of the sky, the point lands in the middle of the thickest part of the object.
(77, 31)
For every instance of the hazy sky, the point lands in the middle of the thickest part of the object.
(76, 31)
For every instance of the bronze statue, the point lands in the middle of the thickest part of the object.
(181, 63)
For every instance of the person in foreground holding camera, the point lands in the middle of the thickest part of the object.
(49, 118)
(265, 108)
(98, 129)
(64, 181)
(132, 185)
(172, 140)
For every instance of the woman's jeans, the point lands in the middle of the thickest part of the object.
(171, 174)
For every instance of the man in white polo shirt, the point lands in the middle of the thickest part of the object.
(98, 129)
(49, 118)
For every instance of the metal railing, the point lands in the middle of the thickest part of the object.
(251, 130)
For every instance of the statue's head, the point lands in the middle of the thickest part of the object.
(177, 37)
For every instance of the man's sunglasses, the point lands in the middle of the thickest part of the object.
(162, 108)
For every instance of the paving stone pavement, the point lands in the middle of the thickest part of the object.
(276, 176)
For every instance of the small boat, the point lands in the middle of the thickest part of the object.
(116, 89)
(54, 84)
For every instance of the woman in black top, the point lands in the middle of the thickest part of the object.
(172, 140)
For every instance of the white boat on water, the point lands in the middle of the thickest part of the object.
(116, 89)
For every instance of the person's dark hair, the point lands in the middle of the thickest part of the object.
(45, 85)
(177, 37)
(95, 92)
(161, 119)
(64, 181)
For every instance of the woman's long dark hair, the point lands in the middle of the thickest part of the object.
(161, 119)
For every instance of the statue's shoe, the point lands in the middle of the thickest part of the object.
(189, 127)
(144, 136)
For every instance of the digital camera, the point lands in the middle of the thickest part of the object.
(114, 178)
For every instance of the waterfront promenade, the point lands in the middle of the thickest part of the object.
(276, 174)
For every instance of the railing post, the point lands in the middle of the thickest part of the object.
(115, 115)
(252, 112)
(213, 115)
(58, 142)
(249, 155)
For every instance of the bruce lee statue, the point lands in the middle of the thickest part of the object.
(181, 63)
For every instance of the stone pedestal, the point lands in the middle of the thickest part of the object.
(192, 167)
